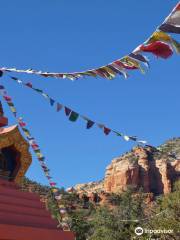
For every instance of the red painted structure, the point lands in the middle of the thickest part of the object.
(22, 215)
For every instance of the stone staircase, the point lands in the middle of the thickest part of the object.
(23, 216)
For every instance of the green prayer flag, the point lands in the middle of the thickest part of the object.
(118, 133)
(74, 116)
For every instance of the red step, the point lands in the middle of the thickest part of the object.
(6, 183)
(20, 202)
(4, 207)
(27, 220)
(24, 217)
(17, 193)
(10, 232)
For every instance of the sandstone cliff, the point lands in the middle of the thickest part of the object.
(143, 167)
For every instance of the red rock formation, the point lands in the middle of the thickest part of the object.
(139, 168)
(121, 173)
(154, 171)
(142, 159)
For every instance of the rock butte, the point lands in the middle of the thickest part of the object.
(143, 167)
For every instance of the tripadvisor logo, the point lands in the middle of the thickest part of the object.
(139, 231)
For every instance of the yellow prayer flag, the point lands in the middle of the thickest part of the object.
(54, 190)
(130, 62)
(110, 71)
(159, 36)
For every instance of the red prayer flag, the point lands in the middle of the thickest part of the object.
(67, 111)
(99, 72)
(22, 124)
(34, 146)
(160, 49)
(7, 98)
(53, 184)
(178, 7)
(107, 130)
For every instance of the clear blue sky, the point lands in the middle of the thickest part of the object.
(64, 35)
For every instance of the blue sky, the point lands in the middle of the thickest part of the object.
(63, 35)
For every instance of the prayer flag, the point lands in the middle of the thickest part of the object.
(107, 130)
(58, 197)
(118, 134)
(169, 28)
(52, 184)
(162, 36)
(52, 101)
(139, 57)
(22, 124)
(89, 124)
(73, 116)
(67, 111)
(29, 85)
(59, 107)
(126, 138)
(133, 138)
(7, 98)
(172, 22)
(160, 49)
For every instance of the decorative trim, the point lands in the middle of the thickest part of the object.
(12, 137)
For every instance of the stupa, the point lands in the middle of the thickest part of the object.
(22, 215)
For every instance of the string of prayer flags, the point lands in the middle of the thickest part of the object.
(73, 115)
(8, 100)
(39, 155)
(172, 22)
(119, 68)
(159, 44)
